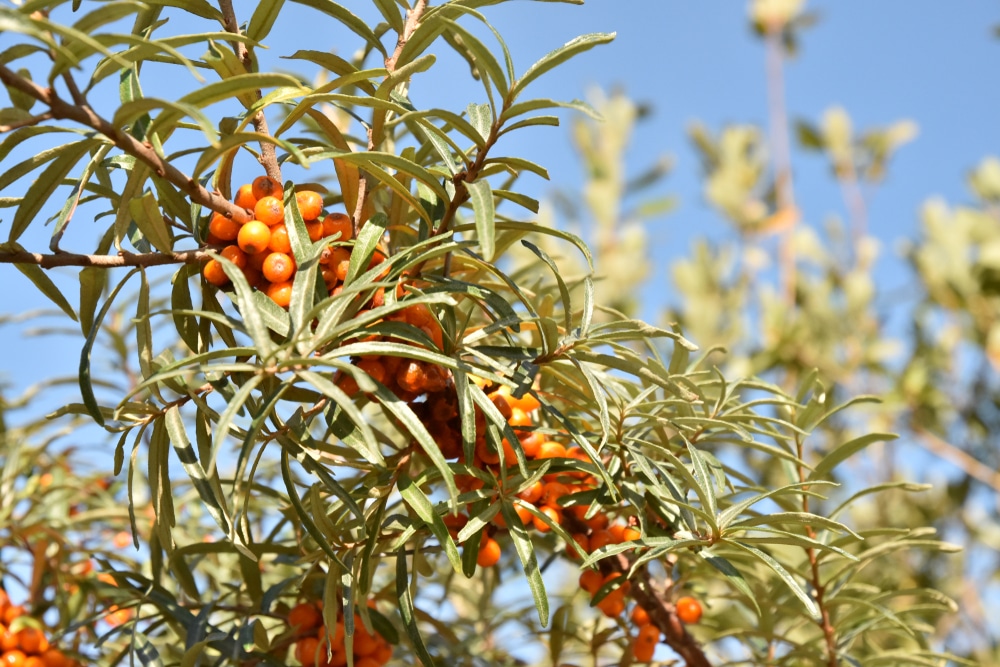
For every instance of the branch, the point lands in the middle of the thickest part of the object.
(413, 17)
(780, 145)
(268, 156)
(143, 151)
(965, 461)
(104, 261)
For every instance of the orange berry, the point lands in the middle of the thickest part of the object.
(688, 609)
(307, 651)
(254, 277)
(455, 523)
(338, 223)
(533, 493)
(214, 273)
(600, 538)
(591, 581)
(254, 237)
(597, 522)
(34, 661)
(631, 534)
(122, 539)
(551, 450)
(383, 654)
(486, 453)
(412, 376)
(32, 640)
(223, 228)
(540, 525)
(305, 616)
(365, 643)
(519, 417)
(278, 267)
(581, 546)
(375, 368)
(8, 640)
(13, 611)
(235, 255)
(617, 532)
(281, 293)
(552, 492)
(640, 616)
(612, 605)
(116, 616)
(310, 206)
(368, 661)
(315, 230)
(279, 239)
(55, 658)
(489, 552)
(244, 197)
(13, 658)
(532, 444)
(265, 186)
(645, 643)
(269, 210)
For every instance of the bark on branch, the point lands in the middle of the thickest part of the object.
(105, 261)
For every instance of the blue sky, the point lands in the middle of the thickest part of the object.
(883, 61)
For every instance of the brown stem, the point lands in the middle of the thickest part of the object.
(413, 17)
(949, 452)
(104, 261)
(27, 122)
(85, 115)
(825, 624)
(780, 145)
(653, 597)
(268, 155)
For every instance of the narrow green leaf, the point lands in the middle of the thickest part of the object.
(263, 18)
(146, 213)
(481, 197)
(783, 574)
(39, 193)
(364, 247)
(208, 492)
(422, 507)
(348, 20)
(307, 522)
(407, 611)
(559, 56)
(481, 117)
(526, 552)
(845, 450)
(35, 274)
(93, 280)
(733, 576)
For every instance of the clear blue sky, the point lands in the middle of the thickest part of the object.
(882, 61)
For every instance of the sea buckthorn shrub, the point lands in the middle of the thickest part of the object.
(367, 400)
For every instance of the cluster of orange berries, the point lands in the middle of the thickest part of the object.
(262, 249)
(28, 646)
(318, 646)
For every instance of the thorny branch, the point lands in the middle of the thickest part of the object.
(82, 113)
(268, 155)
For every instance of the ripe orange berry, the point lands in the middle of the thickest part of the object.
(612, 606)
(244, 197)
(600, 538)
(55, 658)
(591, 581)
(383, 654)
(235, 255)
(281, 293)
(307, 651)
(278, 267)
(375, 368)
(640, 616)
(412, 376)
(532, 444)
(552, 492)
(254, 237)
(310, 205)
(34, 661)
(688, 609)
(551, 450)
(365, 643)
(8, 640)
(32, 640)
(269, 210)
(265, 186)
(279, 239)
(533, 493)
(214, 273)
(338, 223)
(489, 552)
(315, 230)
(368, 661)
(645, 643)
(14, 658)
(305, 616)
(223, 228)
(540, 525)
(519, 417)
(122, 539)
(631, 534)
(581, 546)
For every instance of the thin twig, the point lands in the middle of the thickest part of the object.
(965, 461)
(413, 17)
(268, 155)
(27, 122)
(780, 146)
(143, 151)
(104, 261)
